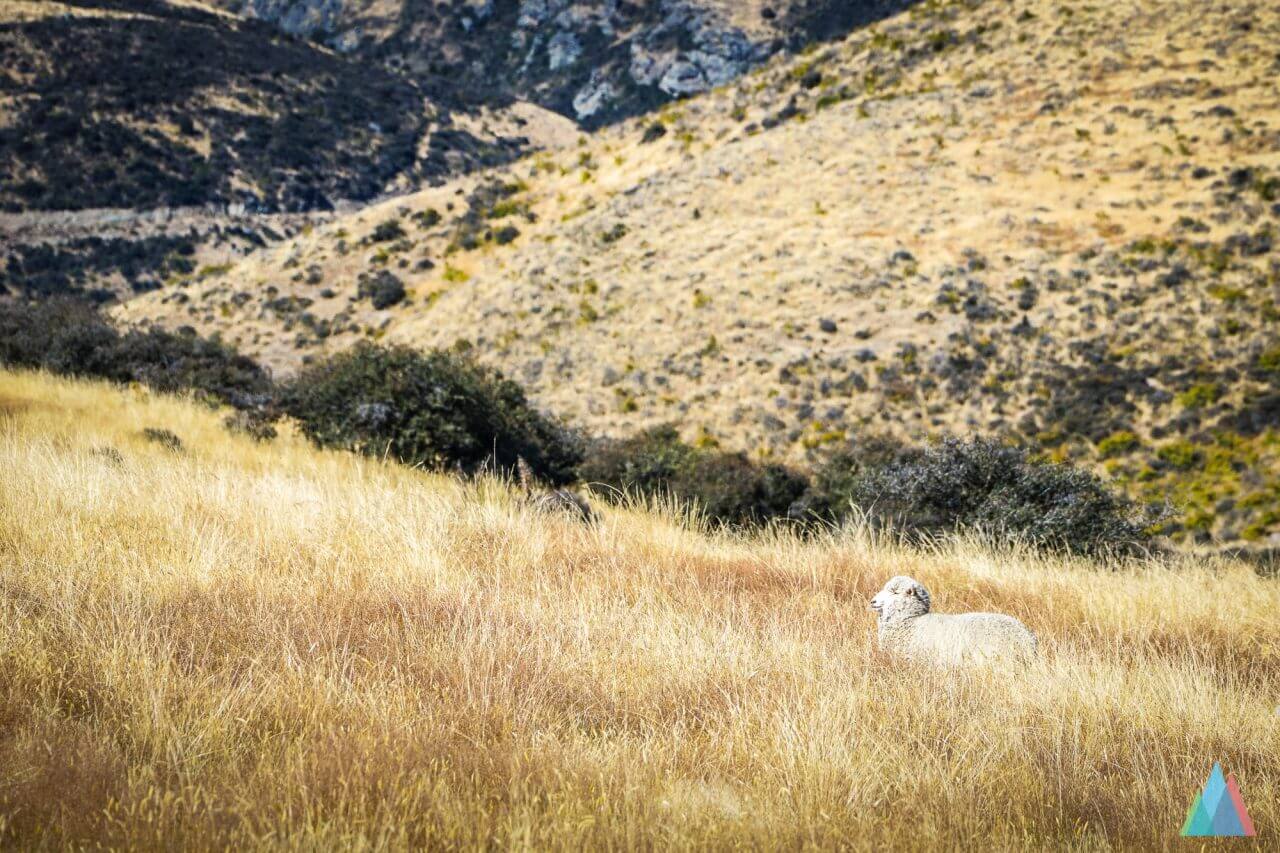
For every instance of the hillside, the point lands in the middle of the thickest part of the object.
(595, 62)
(233, 644)
(144, 104)
(994, 217)
(143, 140)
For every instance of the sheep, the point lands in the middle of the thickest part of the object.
(909, 629)
(552, 500)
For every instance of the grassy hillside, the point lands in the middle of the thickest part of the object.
(235, 644)
(997, 217)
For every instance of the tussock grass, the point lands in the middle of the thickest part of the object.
(265, 645)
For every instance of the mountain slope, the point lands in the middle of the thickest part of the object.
(987, 216)
(239, 645)
(142, 103)
(141, 140)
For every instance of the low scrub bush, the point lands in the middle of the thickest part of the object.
(383, 290)
(985, 485)
(436, 409)
(727, 487)
(71, 338)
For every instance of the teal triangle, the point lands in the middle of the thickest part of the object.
(1191, 814)
(1201, 822)
(1226, 821)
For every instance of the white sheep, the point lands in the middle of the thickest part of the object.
(909, 629)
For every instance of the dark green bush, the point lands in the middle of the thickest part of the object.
(646, 462)
(734, 489)
(728, 487)
(435, 409)
(383, 290)
(71, 338)
(985, 485)
(387, 231)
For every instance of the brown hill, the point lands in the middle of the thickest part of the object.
(1053, 222)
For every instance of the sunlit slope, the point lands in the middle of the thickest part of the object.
(1052, 221)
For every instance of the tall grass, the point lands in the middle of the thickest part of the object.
(265, 645)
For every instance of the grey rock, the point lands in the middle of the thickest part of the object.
(683, 78)
(594, 96)
(563, 50)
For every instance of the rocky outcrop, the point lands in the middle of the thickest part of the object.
(593, 61)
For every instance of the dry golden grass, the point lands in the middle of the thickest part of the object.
(263, 645)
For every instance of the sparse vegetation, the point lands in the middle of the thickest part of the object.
(71, 338)
(94, 87)
(839, 290)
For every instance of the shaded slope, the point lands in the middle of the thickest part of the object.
(129, 104)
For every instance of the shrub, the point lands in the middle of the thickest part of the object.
(386, 231)
(176, 362)
(727, 487)
(71, 338)
(428, 218)
(1199, 395)
(733, 489)
(646, 462)
(653, 133)
(1268, 361)
(384, 290)
(1180, 454)
(1117, 444)
(436, 409)
(983, 484)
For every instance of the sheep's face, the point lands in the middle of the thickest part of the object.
(902, 597)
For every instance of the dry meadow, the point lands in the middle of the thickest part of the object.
(235, 645)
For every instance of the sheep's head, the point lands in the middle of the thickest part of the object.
(901, 598)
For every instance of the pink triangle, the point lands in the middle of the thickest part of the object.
(1233, 790)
